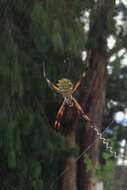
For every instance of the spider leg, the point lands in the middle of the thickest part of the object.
(79, 83)
(59, 115)
(50, 84)
(79, 108)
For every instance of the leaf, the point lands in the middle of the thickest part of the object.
(88, 163)
(106, 156)
(11, 159)
(37, 184)
(57, 42)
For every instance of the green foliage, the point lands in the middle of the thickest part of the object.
(38, 184)
(103, 172)
(88, 163)
(40, 28)
(118, 92)
(116, 65)
(32, 32)
(57, 42)
(51, 30)
(28, 144)
(11, 159)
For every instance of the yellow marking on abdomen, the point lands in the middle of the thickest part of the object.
(65, 86)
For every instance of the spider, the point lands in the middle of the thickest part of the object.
(65, 88)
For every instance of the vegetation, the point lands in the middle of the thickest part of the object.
(33, 154)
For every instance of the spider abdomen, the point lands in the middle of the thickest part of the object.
(65, 86)
(66, 93)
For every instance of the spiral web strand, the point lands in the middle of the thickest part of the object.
(104, 141)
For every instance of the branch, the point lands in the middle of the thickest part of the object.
(121, 71)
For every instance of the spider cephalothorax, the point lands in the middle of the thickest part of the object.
(65, 88)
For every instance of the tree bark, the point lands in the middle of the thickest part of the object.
(96, 102)
(96, 96)
(69, 178)
(95, 99)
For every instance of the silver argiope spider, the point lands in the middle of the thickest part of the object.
(65, 88)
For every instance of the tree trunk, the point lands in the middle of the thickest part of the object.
(96, 97)
(69, 178)
(96, 101)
